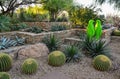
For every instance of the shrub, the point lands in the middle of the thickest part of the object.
(4, 75)
(58, 28)
(29, 66)
(52, 42)
(72, 53)
(95, 47)
(102, 63)
(56, 58)
(35, 29)
(5, 62)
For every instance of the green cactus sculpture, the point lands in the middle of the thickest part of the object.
(5, 62)
(4, 75)
(29, 66)
(102, 63)
(56, 58)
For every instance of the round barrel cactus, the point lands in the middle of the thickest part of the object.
(29, 66)
(102, 63)
(56, 58)
(4, 75)
(5, 62)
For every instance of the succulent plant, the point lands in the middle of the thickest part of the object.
(72, 53)
(35, 29)
(4, 75)
(102, 63)
(58, 28)
(56, 58)
(116, 32)
(5, 62)
(51, 42)
(19, 41)
(29, 66)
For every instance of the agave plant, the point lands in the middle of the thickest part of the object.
(6, 42)
(35, 29)
(96, 47)
(19, 41)
(52, 42)
(72, 53)
(58, 28)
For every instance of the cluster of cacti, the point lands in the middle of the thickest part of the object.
(4, 75)
(29, 66)
(5, 62)
(56, 58)
(102, 63)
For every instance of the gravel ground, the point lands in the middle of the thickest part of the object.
(81, 70)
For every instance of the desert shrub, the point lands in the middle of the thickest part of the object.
(58, 27)
(56, 58)
(5, 62)
(35, 29)
(102, 63)
(72, 53)
(29, 66)
(52, 42)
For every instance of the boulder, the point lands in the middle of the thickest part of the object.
(34, 51)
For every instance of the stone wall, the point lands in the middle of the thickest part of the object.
(35, 38)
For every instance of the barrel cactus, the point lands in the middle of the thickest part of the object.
(29, 66)
(4, 75)
(56, 58)
(102, 63)
(5, 62)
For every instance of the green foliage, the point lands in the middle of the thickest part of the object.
(94, 32)
(54, 6)
(56, 58)
(58, 27)
(72, 53)
(4, 23)
(7, 42)
(32, 14)
(102, 63)
(5, 62)
(95, 47)
(52, 42)
(116, 33)
(4, 75)
(35, 29)
(80, 16)
(29, 66)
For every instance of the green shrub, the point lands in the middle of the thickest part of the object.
(72, 53)
(35, 29)
(51, 42)
(5, 62)
(29, 66)
(58, 28)
(95, 47)
(102, 63)
(4, 75)
(56, 58)
(116, 32)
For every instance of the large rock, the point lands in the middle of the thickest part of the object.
(34, 51)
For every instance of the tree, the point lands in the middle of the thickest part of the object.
(80, 15)
(116, 3)
(54, 6)
(8, 6)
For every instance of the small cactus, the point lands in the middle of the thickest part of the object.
(4, 75)
(29, 66)
(102, 63)
(5, 62)
(56, 58)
